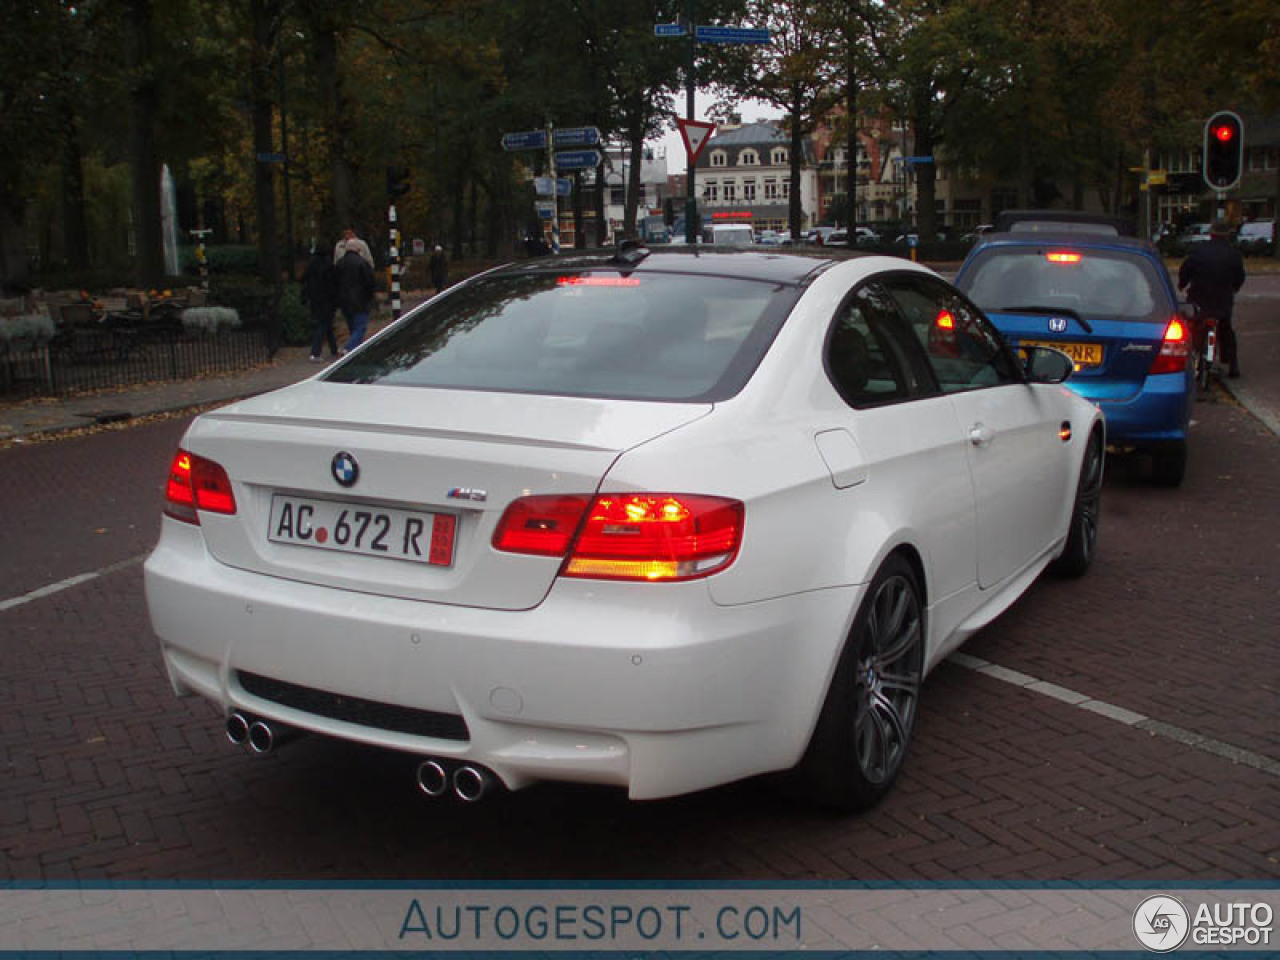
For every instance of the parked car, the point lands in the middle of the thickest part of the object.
(1108, 302)
(739, 234)
(977, 233)
(1257, 237)
(660, 520)
(768, 238)
(1195, 233)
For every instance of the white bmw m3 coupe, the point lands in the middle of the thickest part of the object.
(660, 520)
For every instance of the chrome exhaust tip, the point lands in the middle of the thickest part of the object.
(238, 729)
(470, 783)
(433, 779)
(262, 738)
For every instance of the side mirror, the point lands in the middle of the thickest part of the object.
(1046, 365)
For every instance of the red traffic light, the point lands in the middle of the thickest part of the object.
(1223, 151)
(1224, 132)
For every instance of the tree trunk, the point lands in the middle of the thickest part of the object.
(851, 140)
(142, 148)
(926, 175)
(264, 16)
(602, 222)
(14, 268)
(75, 235)
(579, 234)
(635, 139)
(334, 125)
(795, 212)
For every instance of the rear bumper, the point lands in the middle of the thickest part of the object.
(649, 686)
(1158, 414)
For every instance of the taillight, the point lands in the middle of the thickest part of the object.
(1174, 349)
(626, 536)
(542, 525)
(197, 484)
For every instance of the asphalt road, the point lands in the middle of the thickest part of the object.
(1038, 773)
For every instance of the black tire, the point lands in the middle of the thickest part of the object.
(1169, 465)
(1082, 534)
(1204, 373)
(861, 738)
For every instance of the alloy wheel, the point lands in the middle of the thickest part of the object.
(887, 686)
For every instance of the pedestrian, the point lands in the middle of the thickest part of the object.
(1211, 275)
(355, 294)
(320, 294)
(439, 269)
(350, 241)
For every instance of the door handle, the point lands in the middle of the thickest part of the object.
(980, 435)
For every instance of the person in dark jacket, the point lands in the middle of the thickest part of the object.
(439, 269)
(320, 294)
(1213, 272)
(355, 294)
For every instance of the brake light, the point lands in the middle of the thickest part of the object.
(196, 483)
(543, 526)
(626, 536)
(1059, 257)
(945, 320)
(1174, 349)
(590, 280)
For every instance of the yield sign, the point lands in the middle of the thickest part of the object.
(695, 133)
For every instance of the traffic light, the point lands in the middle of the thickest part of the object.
(1223, 150)
(397, 181)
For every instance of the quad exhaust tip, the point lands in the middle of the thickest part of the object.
(469, 783)
(433, 779)
(238, 729)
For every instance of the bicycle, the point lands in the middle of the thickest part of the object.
(1206, 350)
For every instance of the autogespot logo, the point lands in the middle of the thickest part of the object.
(1161, 923)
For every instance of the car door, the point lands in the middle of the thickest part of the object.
(1010, 428)
(899, 452)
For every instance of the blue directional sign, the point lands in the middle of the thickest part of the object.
(528, 140)
(578, 159)
(545, 186)
(732, 35)
(917, 161)
(271, 158)
(576, 137)
(668, 30)
(546, 210)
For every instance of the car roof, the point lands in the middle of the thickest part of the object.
(1037, 221)
(744, 263)
(1093, 241)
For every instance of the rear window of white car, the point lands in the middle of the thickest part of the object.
(644, 336)
(1098, 283)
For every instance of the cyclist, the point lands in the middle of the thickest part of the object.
(1214, 271)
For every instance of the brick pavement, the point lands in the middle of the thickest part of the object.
(103, 773)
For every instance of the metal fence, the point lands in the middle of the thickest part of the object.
(78, 360)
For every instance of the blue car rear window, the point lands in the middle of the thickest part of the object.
(1098, 283)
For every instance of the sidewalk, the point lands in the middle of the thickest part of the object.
(1258, 391)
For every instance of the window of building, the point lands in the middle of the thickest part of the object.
(719, 159)
(771, 189)
(1261, 158)
(786, 189)
(617, 196)
(730, 191)
(779, 157)
(749, 158)
(749, 190)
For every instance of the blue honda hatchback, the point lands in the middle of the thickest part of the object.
(1106, 301)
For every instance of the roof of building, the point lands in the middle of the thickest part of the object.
(749, 134)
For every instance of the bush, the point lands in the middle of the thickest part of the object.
(223, 259)
(251, 297)
(295, 318)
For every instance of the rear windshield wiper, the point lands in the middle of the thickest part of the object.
(1050, 311)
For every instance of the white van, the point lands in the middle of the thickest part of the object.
(738, 234)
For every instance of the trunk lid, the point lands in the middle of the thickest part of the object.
(413, 446)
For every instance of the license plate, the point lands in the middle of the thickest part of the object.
(1082, 354)
(357, 528)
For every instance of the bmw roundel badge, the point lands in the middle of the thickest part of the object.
(345, 469)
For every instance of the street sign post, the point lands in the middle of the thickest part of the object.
(547, 186)
(696, 133)
(578, 159)
(731, 35)
(271, 158)
(525, 140)
(546, 209)
(668, 30)
(576, 137)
